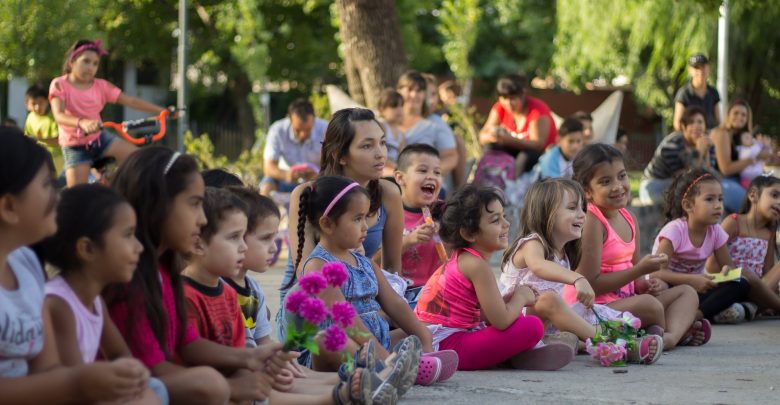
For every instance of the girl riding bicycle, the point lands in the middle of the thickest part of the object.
(77, 98)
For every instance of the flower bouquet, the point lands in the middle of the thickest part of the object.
(614, 338)
(306, 311)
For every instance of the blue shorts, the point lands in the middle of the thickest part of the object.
(159, 390)
(86, 154)
(281, 186)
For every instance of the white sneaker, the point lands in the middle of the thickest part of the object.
(731, 315)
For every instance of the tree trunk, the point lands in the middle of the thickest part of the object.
(354, 85)
(371, 35)
(240, 90)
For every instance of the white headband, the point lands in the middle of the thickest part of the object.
(171, 162)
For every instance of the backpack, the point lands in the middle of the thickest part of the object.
(494, 169)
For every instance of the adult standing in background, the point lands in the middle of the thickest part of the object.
(697, 92)
(292, 148)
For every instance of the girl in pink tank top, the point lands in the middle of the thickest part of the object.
(610, 246)
(463, 290)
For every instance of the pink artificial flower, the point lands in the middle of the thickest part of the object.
(334, 339)
(335, 273)
(343, 312)
(313, 283)
(313, 310)
(631, 320)
(294, 300)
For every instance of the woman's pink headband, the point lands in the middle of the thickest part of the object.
(92, 46)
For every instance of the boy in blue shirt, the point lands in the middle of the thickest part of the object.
(556, 162)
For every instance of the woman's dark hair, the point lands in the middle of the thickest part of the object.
(538, 216)
(69, 54)
(587, 159)
(390, 98)
(259, 207)
(757, 186)
(22, 158)
(220, 178)
(313, 202)
(151, 189)
(413, 79)
(512, 85)
(685, 187)
(688, 114)
(462, 212)
(100, 202)
(338, 136)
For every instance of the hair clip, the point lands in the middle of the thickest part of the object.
(768, 173)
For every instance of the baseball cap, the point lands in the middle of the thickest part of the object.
(698, 60)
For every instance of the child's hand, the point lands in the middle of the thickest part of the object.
(585, 294)
(296, 369)
(528, 294)
(250, 385)
(420, 234)
(702, 283)
(652, 263)
(108, 381)
(259, 355)
(284, 380)
(656, 286)
(280, 361)
(89, 126)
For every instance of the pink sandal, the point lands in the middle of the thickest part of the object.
(429, 370)
(705, 328)
(641, 355)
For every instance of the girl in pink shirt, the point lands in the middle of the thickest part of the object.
(610, 254)
(458, 295)
(77, 98)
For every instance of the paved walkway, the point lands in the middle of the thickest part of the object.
(740, 365)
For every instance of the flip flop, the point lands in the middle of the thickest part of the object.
(641, 354)
(546, 358)
(449, 363)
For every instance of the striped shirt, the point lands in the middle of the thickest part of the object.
(672, 156)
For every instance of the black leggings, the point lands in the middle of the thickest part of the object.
(722, 296)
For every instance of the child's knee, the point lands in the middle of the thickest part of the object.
(684, 290)
(548, 303)
(529, 326)
(209, 384)
(650, 306)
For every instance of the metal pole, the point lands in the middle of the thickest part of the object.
(181, 90)
(723, 50)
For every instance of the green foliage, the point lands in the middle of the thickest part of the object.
(321, 104)
(300, 334)
(247, 166)
(466, 122)
(35, 35)
(646, 41)
(458, 25)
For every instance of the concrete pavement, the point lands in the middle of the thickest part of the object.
(740, 365)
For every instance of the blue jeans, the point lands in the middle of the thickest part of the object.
(733, 194)
(281, 186)
(651, 191)
(87, 154)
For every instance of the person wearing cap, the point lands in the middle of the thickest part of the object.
(698, 92)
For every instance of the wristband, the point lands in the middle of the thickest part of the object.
(578, 279)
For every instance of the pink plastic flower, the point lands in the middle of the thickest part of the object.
(335, 273)
(631, 320)
(313, 310)
(343, 312)
(313, 283)
(294, 300)
(334, 339)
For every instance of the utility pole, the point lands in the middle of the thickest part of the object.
(181, 90)
(723, 60)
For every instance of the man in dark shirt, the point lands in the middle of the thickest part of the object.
(698, 92)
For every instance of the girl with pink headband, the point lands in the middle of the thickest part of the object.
(77, 98)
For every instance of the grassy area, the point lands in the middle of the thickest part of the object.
(635, 177)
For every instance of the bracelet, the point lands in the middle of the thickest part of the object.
(578, 279)
(78, 125)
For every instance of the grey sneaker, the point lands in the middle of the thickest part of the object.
(731, 315)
